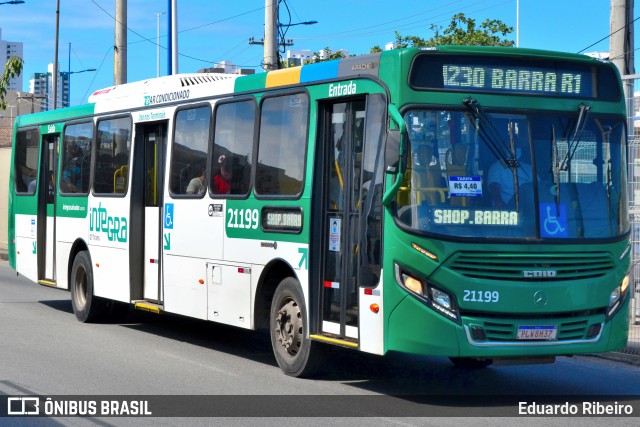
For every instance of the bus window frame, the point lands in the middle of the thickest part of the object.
(13, 163)
(266, 96)
(254, 146)
(61, 153)
(98, 119)
(171, 145)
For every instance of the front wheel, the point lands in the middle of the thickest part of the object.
(295, 353)
(86, 306)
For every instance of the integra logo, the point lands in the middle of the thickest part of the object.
(166, 97)
(538, 274)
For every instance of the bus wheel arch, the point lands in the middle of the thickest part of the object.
(78, 246)
(272, 275)
(86, 306)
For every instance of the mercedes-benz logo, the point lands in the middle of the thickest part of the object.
(540, 299)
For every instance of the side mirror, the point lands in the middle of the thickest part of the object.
(392, 151)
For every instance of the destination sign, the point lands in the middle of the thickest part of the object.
(517, 75)
(517, 79)
(282, 219)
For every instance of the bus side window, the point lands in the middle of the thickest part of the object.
(113, 147)
(233, 148)
(76, 161)
(189, 152)
(26, 161)
(282, 145)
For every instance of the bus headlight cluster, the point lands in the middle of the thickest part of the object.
(617, 297)
(432, 296)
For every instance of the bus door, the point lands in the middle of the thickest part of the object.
(46, 214)
(152, 139)
(343, 142)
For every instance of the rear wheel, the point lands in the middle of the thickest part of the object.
(295, 353)
(86, 306)
(470, 363)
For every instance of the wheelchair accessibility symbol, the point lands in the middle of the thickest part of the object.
(168, 216)
(554, 220)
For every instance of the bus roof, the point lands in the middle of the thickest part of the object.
(167, 89)
(159, 85)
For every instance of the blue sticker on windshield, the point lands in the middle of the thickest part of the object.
(553, 220)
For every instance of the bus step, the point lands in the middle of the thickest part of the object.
(330, 340)
(148, 306)
(50, 283)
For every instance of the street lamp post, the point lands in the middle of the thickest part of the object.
(297, 23)
(158, 14)
(69, 82)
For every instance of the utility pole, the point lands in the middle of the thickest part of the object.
(120, 45)
(621, 49)
(270, 35)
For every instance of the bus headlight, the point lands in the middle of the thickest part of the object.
(413, 284)
(617, 297)
(441, 298)
(433, 297)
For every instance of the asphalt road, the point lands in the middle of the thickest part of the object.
(45, 351)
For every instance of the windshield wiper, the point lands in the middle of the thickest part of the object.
(556, 168)
(572, 146)
(489, 133)
(502, 151)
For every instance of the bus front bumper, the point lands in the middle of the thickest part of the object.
(413, 328)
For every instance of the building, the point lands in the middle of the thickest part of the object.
(7, 50)
(41, 85)
(298, 57)
(18, 103)
(227, 67)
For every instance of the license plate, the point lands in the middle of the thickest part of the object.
(537, 332)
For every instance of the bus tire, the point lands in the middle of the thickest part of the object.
(470, 363)
(86, 306)
(293, 349)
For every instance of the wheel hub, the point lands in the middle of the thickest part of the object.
(289, 327)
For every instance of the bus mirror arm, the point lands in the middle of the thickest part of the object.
(396, 154)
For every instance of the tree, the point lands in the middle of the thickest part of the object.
(329, 55)
(12, 69)
(462, 31)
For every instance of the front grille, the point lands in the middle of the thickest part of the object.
(527, 267)
(507, 331)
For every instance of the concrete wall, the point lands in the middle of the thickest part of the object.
(5, 160)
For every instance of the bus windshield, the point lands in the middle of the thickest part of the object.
(475, 173)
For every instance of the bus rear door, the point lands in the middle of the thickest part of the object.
(46, 214)
(147, 218)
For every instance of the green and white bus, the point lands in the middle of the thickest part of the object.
(462, 202)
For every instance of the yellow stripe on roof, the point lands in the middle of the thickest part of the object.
(286, 76)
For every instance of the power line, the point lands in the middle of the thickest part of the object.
(341, 33)
(143, 38)
(408, 26)
(96, 74)
(606, 37)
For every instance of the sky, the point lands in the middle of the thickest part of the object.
(210, 31)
